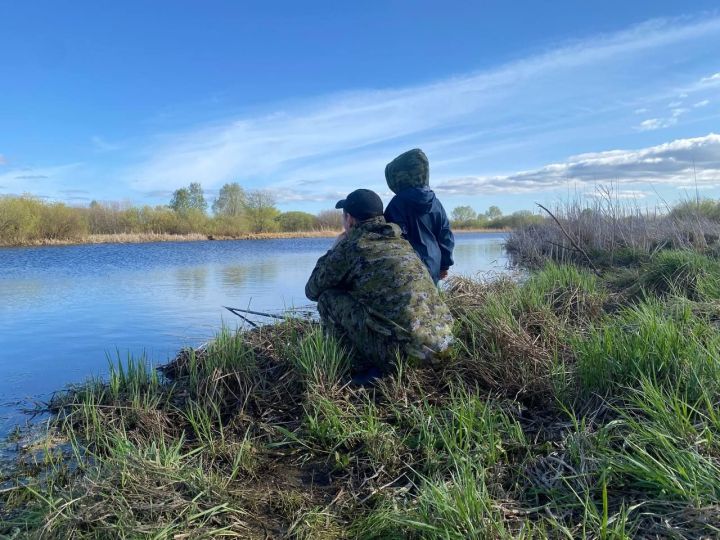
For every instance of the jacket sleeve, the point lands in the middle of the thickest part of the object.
(330, 272)
(394, 215)
(446, 240)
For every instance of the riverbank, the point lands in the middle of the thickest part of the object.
(572, 405)
(141, 238)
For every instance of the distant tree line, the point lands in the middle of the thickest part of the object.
(235, 212)
(465, 217)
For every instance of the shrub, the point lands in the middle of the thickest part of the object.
(58, 222)
(297, 221)
(19, 219)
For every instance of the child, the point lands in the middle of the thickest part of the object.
(418, 212)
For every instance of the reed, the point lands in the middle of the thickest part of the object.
(615, 233)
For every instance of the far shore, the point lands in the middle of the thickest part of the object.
(140, 238)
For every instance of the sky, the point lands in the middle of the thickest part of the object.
(515, 103)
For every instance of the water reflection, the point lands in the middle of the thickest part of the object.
(192, 282)
(20, 292)
(233, 276)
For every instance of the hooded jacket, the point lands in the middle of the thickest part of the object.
(417, 211)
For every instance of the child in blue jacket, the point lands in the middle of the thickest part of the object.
(418, 212)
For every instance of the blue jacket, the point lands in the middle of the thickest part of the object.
(425, 225)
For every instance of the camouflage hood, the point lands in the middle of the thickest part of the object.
(376, 226)
(410, 169)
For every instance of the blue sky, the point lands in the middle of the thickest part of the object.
(514, 102)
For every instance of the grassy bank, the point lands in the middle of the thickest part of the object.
(138, 238)
(573, 406)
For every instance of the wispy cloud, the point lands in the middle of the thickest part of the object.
(620, 194)
(31, 177)
(714, 78)
(461, 121)
(656, 123)
(675, 162)
(3, 161)
(702, 103)
(101, 145)
(158, 193)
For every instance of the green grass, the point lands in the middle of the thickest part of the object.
(674, 350)
(564, 411)
(682, 273)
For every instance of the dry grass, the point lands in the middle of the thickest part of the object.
(139, 238)
(613, 234)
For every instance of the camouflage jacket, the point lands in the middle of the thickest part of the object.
(381, 270)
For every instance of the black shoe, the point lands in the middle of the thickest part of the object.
(367, 377)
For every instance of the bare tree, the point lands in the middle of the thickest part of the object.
(330, 220)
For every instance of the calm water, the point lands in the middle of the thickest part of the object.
(63, 309)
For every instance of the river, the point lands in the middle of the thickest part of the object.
(63, 310)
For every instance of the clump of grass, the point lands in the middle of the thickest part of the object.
(645, 341)
(572, 294)
(458, 507)
(320, 358)
(465, 430)
(681, 273)
(667, 444)
(514, 337)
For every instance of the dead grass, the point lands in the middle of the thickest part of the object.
(140, 238)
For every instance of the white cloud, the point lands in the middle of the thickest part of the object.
(715, 77)
(641, 110)
(3, 161)
(518, 103)
(656, 123)
(692, 187)
(620, 194)
(702, 103)
(294, 196)
(676, 162)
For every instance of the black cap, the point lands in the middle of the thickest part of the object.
(362, 204)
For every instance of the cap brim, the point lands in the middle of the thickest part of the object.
(340, 203)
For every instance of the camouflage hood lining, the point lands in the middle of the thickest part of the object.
(410, 169)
